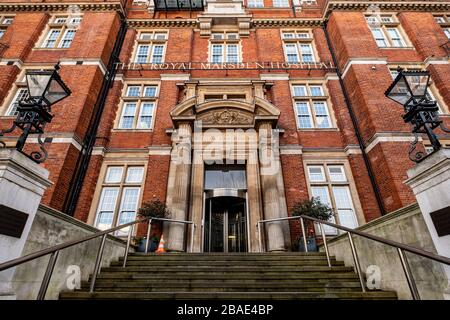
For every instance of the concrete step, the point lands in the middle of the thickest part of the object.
(262, 263)
(275, 276)
(209, 286)
(253, 276)
(231, 269)
(226, 256)
(378, 295)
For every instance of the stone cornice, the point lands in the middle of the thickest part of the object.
(288, 22)
(60, 7)
(152, 23)
(386, 5)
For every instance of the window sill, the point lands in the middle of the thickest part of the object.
(318, 129)
(131, 130)
(400, 48)
(50, 49)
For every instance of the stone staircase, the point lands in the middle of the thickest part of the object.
(227, 276)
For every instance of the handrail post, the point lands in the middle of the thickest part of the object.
(193, 226)
(305, 242)
(356, 261)
(98, 261)
(149, 227)
(258, 226)
(47, 275)
(409, 277)
(324, 239)
(127, 249)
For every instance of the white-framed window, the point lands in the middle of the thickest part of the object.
(330, 184)
(308, 2)
(298, 46)
(311, 106)
(138, 108)
(386, 31)
(442, 18)
(61, 32)
(447, 32)
(119, 197)
(225, 47)
(281, 3)
(150, 47)
(255, 3)
(430, 95)
(444, 21)
(21, 95)
(5, 21)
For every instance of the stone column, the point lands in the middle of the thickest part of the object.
(22, 185)
(430, 182)
(178, 186)
(270, 168)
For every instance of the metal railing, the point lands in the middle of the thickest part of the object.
(54, 251)
(401, 248)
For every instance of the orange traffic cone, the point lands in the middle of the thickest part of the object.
(161, 246)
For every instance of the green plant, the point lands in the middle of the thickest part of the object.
(137, 240)
(154, 209)
(312, 208)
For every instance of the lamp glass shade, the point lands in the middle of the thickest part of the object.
(55, 92)
(37, 83)
(400, 91)
(418, 83)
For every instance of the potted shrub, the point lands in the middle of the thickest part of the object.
(140, 242)
(153, 209)
(315, 209)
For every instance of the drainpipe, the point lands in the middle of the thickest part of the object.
(89, 140)
(349, 105)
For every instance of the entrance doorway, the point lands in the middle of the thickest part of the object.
(225, 216)
(225, 225)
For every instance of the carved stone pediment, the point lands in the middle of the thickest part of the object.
(226, 117)
(225, 113)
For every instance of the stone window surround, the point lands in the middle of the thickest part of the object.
(132, 160)
(225, 42)
(445, 16)
(394, 24)
(205, 90)
(326, 98)
(124, 97)
(50, 25)
(309, 40)
(263, 6)
(138, 42)
(445, 25)
(4, 26)
(328, 158)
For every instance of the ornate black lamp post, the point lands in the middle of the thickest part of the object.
(410, 90)
(45, 88)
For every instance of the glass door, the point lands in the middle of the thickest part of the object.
(225, 225)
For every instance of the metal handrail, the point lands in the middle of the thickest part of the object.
(54, 251)
(401, 248)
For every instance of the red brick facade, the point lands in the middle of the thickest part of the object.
(364, 66)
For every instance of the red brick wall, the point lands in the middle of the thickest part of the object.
(351, 39)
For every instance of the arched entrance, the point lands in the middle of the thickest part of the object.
(227, 133)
